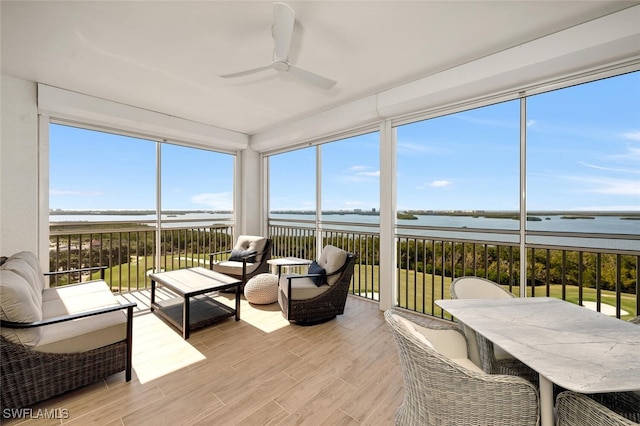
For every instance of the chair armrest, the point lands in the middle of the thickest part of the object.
(216, 253)
(71, 317)
(91, 268)
(296, 276)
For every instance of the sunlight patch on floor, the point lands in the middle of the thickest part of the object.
(158, 349)
(266, 318)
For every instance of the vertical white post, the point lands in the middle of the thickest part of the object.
(318, 200)
(158, 206)
(265, 201)
(523, 195)
(42, 235)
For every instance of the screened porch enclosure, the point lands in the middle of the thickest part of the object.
(519, 192)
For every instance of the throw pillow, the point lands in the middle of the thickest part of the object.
(314, 268)
(239, 255)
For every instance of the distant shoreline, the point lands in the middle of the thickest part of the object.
(531, 216)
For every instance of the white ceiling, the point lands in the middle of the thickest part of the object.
(166, 56)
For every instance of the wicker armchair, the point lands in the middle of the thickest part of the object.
(493, 360)
(308, 303)
(575, 409)
(443, 387)
(247, 258)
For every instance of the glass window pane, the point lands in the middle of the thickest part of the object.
(196, 180)
(462, 170)
(583, 157)
(292, 183)
(92, 170)
(351, 178)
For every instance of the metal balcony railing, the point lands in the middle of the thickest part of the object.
(603, 279)
(130, 250)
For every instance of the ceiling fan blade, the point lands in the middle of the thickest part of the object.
(248, 72)
(283, 21)
(312, 78)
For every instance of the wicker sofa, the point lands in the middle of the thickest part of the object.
(54, 340)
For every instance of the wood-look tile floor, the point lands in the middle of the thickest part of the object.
(258, 371)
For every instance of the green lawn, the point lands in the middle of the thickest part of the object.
(418, 291)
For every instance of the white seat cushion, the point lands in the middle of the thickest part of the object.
(232, 267)
(86, 333)
(301, 288)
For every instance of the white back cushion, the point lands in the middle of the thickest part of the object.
(31, 277)
(251, 242)
(17, 305)
(478, 288)
(411, 328)
(331, 259)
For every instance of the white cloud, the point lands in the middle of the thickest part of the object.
(531, 123)
(216, 201)
(609, 169)
(410, 148)
(360, 173)
(440, 183)
(75, 193)
(608, 186)
(633, 135)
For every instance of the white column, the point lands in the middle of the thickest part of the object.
(387, 216)
(247, 193)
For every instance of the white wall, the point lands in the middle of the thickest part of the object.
(19, 160)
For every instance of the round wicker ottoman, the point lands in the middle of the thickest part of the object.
(262, 289)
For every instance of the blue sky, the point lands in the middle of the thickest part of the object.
(583, 150)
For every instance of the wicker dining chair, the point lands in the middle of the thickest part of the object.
(625, 404)
(443, 387)
(492, 359)
(576, 409)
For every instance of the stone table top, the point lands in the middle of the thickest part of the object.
(572, 346)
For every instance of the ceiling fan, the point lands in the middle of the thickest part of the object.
(282, 31)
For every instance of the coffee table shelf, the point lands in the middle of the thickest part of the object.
(193, 306)
(203, 311)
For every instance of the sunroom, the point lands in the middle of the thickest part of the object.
(494, 139)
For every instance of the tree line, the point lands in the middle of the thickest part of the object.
(499, 263)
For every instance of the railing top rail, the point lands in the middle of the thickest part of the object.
(66, 228)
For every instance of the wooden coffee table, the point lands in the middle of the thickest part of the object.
(193, 309)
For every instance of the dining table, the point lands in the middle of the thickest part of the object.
(567, 344)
